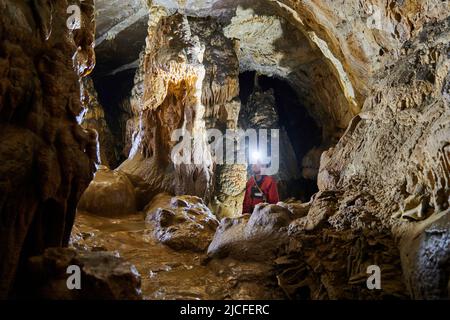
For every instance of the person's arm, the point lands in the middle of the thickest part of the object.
(273, 197)
(247, 200)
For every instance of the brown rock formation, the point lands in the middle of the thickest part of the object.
(103, 275)
(47, 159)
(182, 223)
(110, 194)
(191, 84)
(389, 168)
(256, 238)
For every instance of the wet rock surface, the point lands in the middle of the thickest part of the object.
(104, 276)
(182, 223)
(174, 274)
(252, 237)
(110, 193)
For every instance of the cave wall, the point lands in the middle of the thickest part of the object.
(46, 158)
(396, 151)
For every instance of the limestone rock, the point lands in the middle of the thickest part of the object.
(229, 190)
(256, 238)
(47, 159)
(392, 162)
(428, 277)
(182, 223)
(104, 276)
(110, 194)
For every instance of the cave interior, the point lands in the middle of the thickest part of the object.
(92, 177)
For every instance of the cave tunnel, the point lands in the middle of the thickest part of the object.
(113, 92)
(303, 132)
(110, 189)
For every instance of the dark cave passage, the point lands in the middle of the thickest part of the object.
(303, 132)
(113, 95)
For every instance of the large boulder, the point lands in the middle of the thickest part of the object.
(110, 194)
(104, 276)
(182, 223)
(253, 238)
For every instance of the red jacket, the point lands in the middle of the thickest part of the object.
(252, 194)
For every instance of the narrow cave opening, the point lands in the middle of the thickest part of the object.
(113, 94)
(302, 132)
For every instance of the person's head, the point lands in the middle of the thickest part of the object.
(258, 163)
(256, 168)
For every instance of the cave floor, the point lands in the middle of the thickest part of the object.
(168, 274)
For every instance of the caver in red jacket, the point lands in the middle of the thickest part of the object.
(253, 195)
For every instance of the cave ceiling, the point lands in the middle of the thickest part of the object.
(270, 37)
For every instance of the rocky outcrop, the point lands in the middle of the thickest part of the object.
(333, 264)
(256, 237)
(389, 171)
(46, 158)
(120, 36)
(182, 223)
(103, 276)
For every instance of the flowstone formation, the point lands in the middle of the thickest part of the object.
(110, 194)
(47, 158)
(190, 80)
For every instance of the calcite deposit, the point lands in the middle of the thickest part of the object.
(110, 194)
